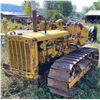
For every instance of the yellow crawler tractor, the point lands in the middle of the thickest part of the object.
(60, 51)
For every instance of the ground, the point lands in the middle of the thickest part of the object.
(88, 87)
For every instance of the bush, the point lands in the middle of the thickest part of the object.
(4, 24)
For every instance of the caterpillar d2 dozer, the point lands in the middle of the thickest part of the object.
(61, 51)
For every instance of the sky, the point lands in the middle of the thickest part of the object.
(79, 3)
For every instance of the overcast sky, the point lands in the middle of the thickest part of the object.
(79, 3)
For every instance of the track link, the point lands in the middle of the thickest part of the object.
(68, 70)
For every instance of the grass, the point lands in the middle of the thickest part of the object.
(88, 87)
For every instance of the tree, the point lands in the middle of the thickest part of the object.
(56, 15)
(74, 8)
(85, 9)
(96, 5)
(27, 8)
(63, 7)
(53, 14)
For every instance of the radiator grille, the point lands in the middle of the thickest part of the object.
(19, 53)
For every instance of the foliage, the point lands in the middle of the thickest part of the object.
(56, 16)
(53, 14)
(89, 86)
(13, 25)
(63, 7)
(4, 21)
(95, 6)
(85, 9)
(27, 8)
(4, 25)
(5, 82)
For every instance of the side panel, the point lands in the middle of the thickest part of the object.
(49, 50)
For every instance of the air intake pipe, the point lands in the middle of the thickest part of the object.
(34, 21)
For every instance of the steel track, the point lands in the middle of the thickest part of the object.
(71, 65)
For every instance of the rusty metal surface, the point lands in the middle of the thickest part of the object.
(61, 69)
(59, 74)
(57, 84)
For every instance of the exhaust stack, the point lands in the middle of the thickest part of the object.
(34, 21)
(34, 14)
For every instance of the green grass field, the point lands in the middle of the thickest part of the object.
(88, 87)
